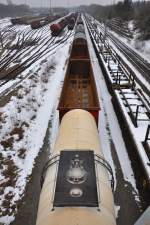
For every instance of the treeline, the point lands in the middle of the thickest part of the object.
(60, 10)
(56, 10)
(142, 19)
(137, 11)
(13, 10)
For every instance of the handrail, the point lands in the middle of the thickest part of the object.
(99, 159)
(105, 164)
(48, 164)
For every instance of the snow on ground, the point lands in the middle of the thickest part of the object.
(24, 122)
(138, 133)
(131, 25)
(20, 41)
(117, 208)
(5, 23)
(45, 44)
(108, 118)
(133, 100)
(55, 127)
(136, 72)
(139, 46)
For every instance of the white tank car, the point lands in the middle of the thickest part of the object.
(76, 188)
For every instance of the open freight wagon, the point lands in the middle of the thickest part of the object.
(79, 89)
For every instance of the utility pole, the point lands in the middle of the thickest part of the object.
(41, 4)
(50, 6)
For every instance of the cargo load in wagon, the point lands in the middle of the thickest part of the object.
(79, 89)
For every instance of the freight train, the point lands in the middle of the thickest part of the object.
(25, 20)
(44, 21)
(34, 21)
(76, 187)
(69, 20)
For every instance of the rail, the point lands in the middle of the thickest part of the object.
(134, 114)
(99, 36)
(120, 75)
(147, 136)
(121, 72)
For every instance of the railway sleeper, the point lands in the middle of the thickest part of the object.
(116, 86)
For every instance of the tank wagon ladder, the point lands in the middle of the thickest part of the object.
(52, 161)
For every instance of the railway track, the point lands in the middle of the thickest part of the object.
(22, 53)
(140, 64)
(46, 47)
(120, 28)
(25, 56)
(137, 61)
(129, 99)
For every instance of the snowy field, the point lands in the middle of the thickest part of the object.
(139, 46)
(24, 120)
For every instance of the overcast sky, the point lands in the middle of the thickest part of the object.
(60, 2)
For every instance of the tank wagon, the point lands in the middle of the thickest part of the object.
(79, 88)
(56, 28)
(77, 188)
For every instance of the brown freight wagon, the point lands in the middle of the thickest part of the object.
(79, 89)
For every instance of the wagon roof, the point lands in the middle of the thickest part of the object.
(80, 35)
